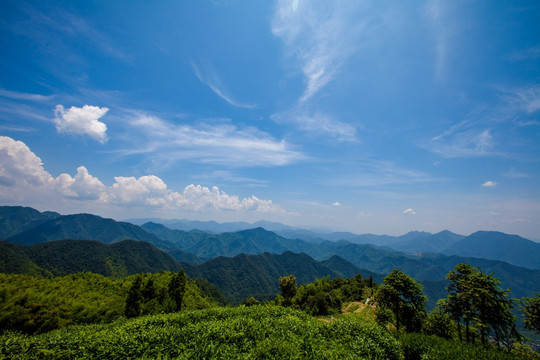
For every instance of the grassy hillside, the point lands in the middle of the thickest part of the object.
(31, 304)
(257, 332)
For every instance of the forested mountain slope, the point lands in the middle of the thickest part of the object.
(86, 227)
(16, 219)
(64, 257)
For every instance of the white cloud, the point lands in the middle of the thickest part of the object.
(24, 96)
(210, 78)
(83, 186)
(461, 143)
(336, 204)
(321, 36)
(19, 166)
(489, 184)
(81, 121)
(409, 211)
(363, 214)
(317, 123)
(220, 143)
(23, 179)
(525, 99)
(377, 173)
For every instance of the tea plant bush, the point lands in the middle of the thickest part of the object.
(257, 332)
(429, 347)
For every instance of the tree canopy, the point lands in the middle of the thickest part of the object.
(403, 296)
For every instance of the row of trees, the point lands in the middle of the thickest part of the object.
(476, 305)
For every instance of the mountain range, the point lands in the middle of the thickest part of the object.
(238, 260)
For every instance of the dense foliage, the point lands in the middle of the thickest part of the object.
(257, 332)
(475, 298)
(403, 296)
(531, 312)
(65, 257)
(428, 347)
(32, 304)
(244, 275)
(324, 296)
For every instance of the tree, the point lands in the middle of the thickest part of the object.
(148, 291)
(458, 305)
(251, 302)
(287, 285)
(177, 288)
(531, 312)
(133, 300)
(439, 323)
(476, 298)
(404, 297)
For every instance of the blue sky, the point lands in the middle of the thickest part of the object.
(371, 117)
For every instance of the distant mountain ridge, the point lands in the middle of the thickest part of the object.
(497, 245)
(82, 227)
(510, 248)
(429, 268)
(16, 219)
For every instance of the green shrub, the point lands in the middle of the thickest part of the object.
(430, 347)
(257, 332)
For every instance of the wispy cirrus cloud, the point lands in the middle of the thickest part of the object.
(55, 30)
(378, 173)
(216, 143)
(318, 123)
(208, 75)
(16, 95)
(491, 129)
(463, 143)
(319, 38)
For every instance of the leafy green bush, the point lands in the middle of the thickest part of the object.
(257, 332)
(430, 347)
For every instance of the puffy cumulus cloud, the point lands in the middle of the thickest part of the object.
(489, 184)
(200, 197)
(81, 121)
(83, 186)
(336, 204)
(20, 166)
(409, 211)
(150, 190)
(23, 179)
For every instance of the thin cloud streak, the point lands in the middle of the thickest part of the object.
(25, 96)
(211, 143)
(210, 78)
